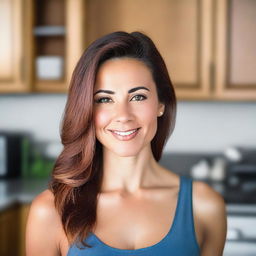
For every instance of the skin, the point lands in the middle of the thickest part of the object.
(133, 182)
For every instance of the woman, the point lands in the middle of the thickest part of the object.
(108, 194)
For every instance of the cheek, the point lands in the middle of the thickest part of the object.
(101, 118)
(149, 119)
(149, 116)
(150, 112)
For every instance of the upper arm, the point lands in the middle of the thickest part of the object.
(211, 211)
(42, 227)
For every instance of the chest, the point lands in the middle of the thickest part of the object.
(136, 223)
(133, 224)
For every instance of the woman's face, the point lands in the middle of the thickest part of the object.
(125, 98)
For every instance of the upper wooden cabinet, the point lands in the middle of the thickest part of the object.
(15, 54)
(57, 41)
(180, 29)
(208, 45)
(235, 56)
(40, 43)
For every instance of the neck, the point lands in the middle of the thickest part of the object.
(129, 174)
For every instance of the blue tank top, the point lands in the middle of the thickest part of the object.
(179, 241)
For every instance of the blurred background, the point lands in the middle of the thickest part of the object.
(209, 50)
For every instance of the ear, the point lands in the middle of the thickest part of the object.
(161, 108)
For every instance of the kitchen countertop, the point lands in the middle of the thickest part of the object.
(13, 191)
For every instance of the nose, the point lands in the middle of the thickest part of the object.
(123, 112)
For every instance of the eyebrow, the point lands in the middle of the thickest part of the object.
(130, 91)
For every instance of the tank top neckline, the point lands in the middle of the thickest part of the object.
(156, 244)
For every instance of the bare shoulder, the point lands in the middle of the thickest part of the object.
(207, 199)
(210, 210)
(44, 199)
(43, 207)
(43, 227)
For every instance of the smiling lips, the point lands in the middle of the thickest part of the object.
(127, 135)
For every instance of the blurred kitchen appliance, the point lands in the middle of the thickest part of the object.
(14, 147)
(240, 195)
(241, 170)
(241, 233)
(240, 154)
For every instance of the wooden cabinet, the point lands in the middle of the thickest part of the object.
(235, 49)
(57, 40)
(208, 45)
(180, 29)
(23, 211)
(9, 231)
(12, 230)
(40, 44)
(15, 54)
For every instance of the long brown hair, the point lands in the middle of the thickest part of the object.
(77, 174)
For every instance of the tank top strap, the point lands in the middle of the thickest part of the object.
(185, 222)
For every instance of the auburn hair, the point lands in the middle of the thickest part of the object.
(77, 173)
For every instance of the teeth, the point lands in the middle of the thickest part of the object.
(125, 133)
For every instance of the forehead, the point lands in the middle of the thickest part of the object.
(125, 71)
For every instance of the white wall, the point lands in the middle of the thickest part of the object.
(213, 126)
(200, 126)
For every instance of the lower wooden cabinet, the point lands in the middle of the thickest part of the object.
(12, 230)
(9, 231)
(24, 210)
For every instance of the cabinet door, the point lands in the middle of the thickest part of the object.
(57, 40)
(235, 49)
(9, 231)
(24, 211)
(14, 46)
(180, 29)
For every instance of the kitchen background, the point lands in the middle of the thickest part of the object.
(209, 49)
